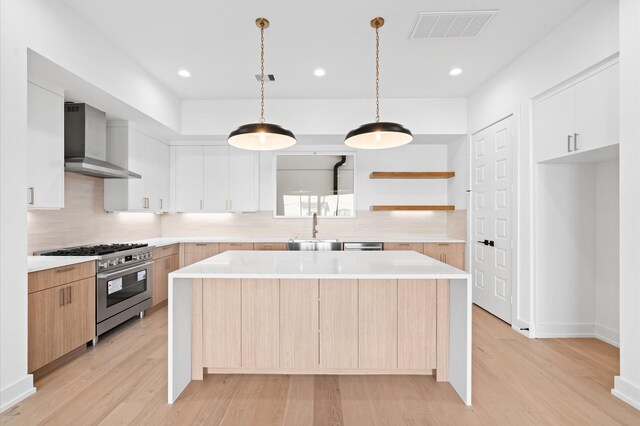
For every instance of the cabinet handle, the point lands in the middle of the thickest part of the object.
(403, 244)
(445, 258)
(32, 195)
(69, 295)
(569, 143)
(61, 296)
(201, 244)
(160, 202)
(67, 269)
(575, 141)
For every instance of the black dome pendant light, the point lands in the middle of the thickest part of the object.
(379, 134)
(261, 136)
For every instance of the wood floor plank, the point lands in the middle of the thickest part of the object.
(516, 380)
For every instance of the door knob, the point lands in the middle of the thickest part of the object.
(485, 242)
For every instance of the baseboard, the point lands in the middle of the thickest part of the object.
(558, 330)
(586, 330)
(608, 335)
(16, 392)
(627, 392)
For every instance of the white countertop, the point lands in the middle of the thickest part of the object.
(40, 263)
(164, 241)
(320, 264)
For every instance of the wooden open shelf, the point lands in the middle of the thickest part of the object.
(412, 175)
(410, 208)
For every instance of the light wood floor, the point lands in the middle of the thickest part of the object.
(516, 381)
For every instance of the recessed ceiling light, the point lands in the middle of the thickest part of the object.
(184, 73)
(319, 72)
(455, 71)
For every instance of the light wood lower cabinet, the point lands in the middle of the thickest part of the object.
(378, 323)
(222, 320)
(417, 324)
(338, 323)
(161, 268)
(61, 319)
(260, 323)
(449, 253)
(299, 324)
(310, 325)
(195, 252)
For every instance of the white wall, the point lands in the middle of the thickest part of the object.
(325, 116)
(565, 250)
(607, 251)
(584, 39)
(627, 384)
(55, 32)
(458, 161)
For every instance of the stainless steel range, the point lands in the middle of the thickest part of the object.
(123, 281)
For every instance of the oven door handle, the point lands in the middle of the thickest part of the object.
(103, 276)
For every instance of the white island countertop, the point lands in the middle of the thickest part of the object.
(320, 264)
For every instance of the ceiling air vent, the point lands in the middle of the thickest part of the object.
(267, 77)
(454, 24)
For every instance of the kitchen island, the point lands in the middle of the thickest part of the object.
(331, 312)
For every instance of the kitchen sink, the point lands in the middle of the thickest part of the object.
(314, 245)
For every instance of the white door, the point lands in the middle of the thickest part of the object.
(189, 178)
(492, 207)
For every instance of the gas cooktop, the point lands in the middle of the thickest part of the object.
(94, 250)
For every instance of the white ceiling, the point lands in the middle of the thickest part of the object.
(219, 43)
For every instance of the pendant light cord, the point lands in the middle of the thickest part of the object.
(377, 75)
(262, 74)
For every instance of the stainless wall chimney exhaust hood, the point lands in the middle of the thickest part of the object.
(85, 143)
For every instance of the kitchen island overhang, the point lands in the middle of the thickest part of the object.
(374, 312)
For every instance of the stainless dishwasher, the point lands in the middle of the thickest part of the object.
(362, 246)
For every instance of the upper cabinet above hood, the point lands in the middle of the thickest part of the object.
(85, 143)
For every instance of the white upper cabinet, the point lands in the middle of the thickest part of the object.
(45, 148)
(244, 180)
(216, 179)
(580, 118)
(597, 106)
(141, 154)
(189, 178)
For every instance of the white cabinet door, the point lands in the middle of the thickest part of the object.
(45, 149)
(597, 110)
(137, 154)
(243, 180)
(553, 126)
(216, 178)
(157, 175)
(162, 176)
(189, 179)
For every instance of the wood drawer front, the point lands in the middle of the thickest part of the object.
(404, 246)
(165, 251)
(195, 252)
(235, 246)
(49, 278)
(270, 246)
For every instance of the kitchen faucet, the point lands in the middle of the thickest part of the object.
(314, 228)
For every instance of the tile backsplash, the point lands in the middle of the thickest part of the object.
(84, 221)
